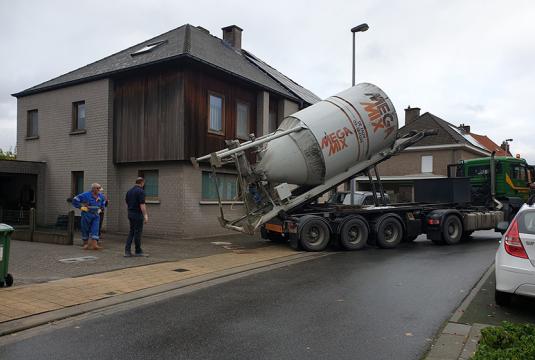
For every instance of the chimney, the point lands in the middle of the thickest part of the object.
(232, 35)
(465, 128)
(411, 114)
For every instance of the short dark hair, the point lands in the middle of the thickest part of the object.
(140, 180)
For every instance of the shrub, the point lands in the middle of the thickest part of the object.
(507, 342)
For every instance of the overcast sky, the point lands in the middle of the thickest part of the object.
(465, 61)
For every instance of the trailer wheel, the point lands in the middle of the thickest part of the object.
(452, 230)
(314, 234)
(354, 234)
(389, 232)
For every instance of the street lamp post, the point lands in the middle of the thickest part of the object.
(356, 29)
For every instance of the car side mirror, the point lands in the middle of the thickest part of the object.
(502, 226)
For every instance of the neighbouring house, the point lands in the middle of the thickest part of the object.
(430, 157)
(145, 111)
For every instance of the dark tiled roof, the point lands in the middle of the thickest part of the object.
(288, 83)
(184, 41)
(448, 134)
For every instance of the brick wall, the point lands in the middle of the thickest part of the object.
(409, 162)
(62, 152)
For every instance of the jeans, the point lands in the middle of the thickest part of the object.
(136, 228)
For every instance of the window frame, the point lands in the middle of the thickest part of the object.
(214, 131)
(29, 124)
(422, 164)
(74, 183)
(211, 201)
(151, 198)
(248, 120)
(75, 129)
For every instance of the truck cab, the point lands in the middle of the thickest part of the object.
(512, 184)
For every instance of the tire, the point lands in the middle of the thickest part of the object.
(502, 298)
(388, 232)
(452, 230)
(9, 280)
(354, 234)
(314, 234)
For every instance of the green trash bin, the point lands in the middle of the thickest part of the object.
(5, 239)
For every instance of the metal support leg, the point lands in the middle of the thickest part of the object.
(375, 200)
(381, 189)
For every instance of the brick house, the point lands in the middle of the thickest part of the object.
(145, 111)
(430, 157)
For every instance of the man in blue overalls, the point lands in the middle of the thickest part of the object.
(91, 204)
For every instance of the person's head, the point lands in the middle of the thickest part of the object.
(95, 188)
(140, 181)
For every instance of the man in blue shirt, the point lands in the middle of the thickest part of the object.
(91, 204)
(137, 216)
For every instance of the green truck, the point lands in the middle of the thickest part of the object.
(503, 182)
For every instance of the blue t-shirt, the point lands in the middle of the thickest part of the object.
(135, 197)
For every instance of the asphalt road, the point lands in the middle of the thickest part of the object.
(371, 304)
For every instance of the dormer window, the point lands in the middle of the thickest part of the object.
(149, 47)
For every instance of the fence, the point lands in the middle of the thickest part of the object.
(15, 217)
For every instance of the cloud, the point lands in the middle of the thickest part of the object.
(467, 62)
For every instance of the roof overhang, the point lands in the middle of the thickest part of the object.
(448, 147)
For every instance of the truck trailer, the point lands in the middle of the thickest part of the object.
(320, 147)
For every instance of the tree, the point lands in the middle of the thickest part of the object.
(7, 154)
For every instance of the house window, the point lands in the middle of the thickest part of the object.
(33, 123)
(77, 184)
(242, 120)
(148, 48)
(427, 164)
(228, 187)
(216, 114)
(151, 183)
(78, 115)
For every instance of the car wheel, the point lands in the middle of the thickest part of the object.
(389, 233)
(314, 234)
(354, 234)
(502, 298)
(452, 230)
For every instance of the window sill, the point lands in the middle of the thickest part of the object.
(32, 137)
(215, 132)
(152, 201)
(210, 202)
(78, 132)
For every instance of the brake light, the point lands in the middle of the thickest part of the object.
(433, 221)
(512, 242)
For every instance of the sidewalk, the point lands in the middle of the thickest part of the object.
(38, 262)
(459, 338)
(50, 285)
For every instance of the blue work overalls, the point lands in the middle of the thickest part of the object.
(89, 224)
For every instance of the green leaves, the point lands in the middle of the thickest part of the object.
(7, 155)
(507, 342)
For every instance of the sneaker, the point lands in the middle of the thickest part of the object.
(141, 254)
(127, 254)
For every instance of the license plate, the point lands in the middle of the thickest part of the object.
(274, 227)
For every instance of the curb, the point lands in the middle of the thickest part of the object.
(156, 293)
(459, 341)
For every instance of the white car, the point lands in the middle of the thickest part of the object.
(515, 258)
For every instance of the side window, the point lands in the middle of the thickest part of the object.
(427, 164)
(77, 183)
(518, 172)
(479, 170)
(151, 183)
(33, 123)
(242, 120)
(228, 187)
(215, 114)
(78, 116)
